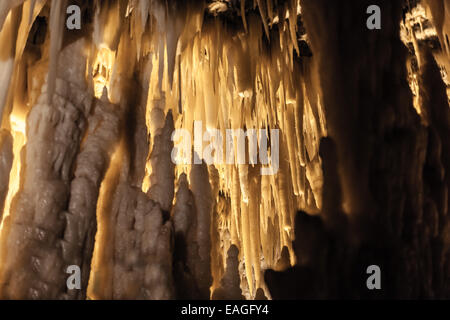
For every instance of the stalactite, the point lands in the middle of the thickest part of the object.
(8, 35)
(5, 8)
(56, 38)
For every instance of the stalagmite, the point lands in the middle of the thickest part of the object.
(230, 289)
(32, 236)
(162, 177)
(142, 248)
(90, 168)
(202, 194)
(184, 221)
(218, 240)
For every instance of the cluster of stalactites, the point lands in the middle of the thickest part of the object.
(249, 74)
(249, 78)
(426, 24)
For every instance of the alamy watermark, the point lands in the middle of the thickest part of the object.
(74, 280)
(73, 21)
(374, 20)
(235, 151)
(374, 280)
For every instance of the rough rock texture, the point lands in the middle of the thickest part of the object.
(163, 177)
(385, 182)
(192, 215)
(230, 283)
(134, 252)
(5, 166)
(90, 168)
(142, 248)
(33, 247)
(363, 154)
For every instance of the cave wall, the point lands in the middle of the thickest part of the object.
(385, 171)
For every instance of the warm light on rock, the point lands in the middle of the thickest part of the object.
(223, 149)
